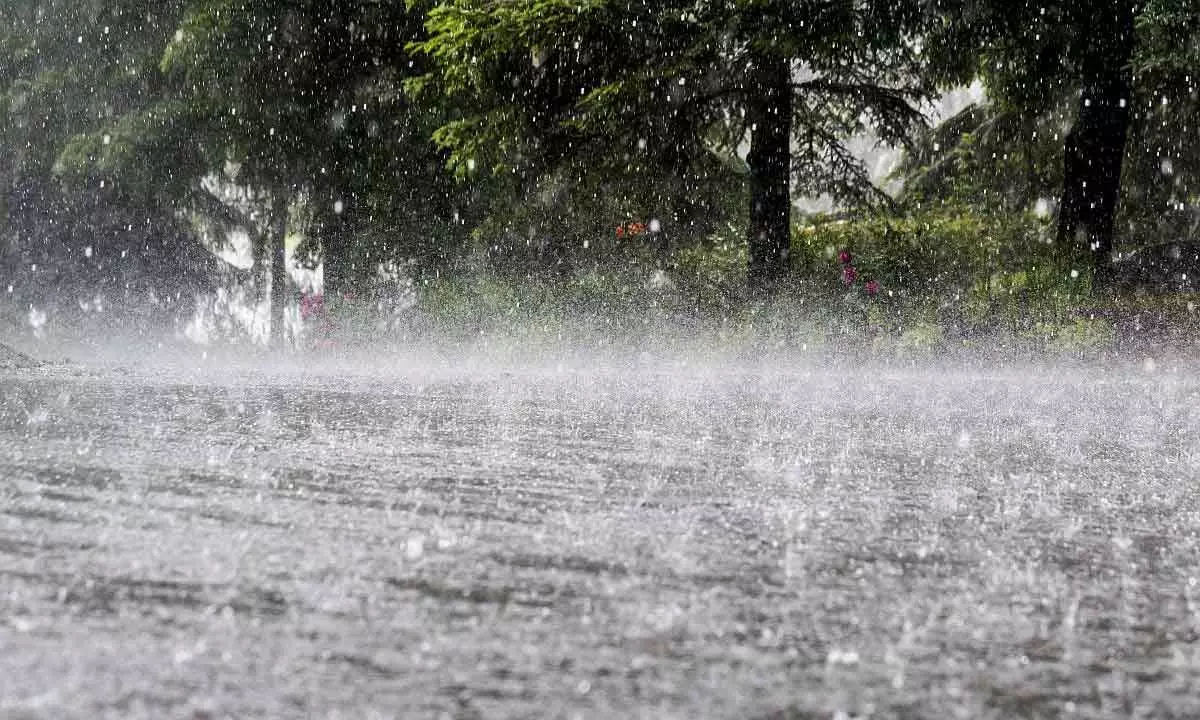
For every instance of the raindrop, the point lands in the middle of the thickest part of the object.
(842, 657)
(338, 206)
(414, 547)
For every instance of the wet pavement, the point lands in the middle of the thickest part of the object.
(654, 539)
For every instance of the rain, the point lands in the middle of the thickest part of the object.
(461, 359)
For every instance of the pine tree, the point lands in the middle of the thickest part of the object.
(617, 86)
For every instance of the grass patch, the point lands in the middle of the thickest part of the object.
(937, 283)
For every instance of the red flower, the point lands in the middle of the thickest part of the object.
(872, 287)
(620, 231)
(844, 257)
(849, 275)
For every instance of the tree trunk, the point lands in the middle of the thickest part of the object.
(769, 109)
(1095, 146)
(277, 247)
(336, 231)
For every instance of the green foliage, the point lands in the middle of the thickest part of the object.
(1033, 59)
(1079, 336)
(920, 338)
(470, 139)
(985, 157)
(655, 99)
(945, 252)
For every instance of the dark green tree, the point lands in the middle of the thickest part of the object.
(1117, 74)
(1161, 192)
(623, 87)
(293, 105)
(68, 68)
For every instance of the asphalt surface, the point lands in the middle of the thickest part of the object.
(653, 539)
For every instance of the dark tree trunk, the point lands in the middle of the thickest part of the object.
(336, 270)
(769, 109)
(1095, 146)
(277, 247)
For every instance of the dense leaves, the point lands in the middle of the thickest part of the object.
(661, 90)
(138, 137)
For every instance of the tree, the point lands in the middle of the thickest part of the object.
(1162, 176)
(275, 109)
(1119, 75)
(622, 86)
(1095, 146)
(1116, 73)
(68, 68)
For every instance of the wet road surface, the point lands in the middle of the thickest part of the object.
(659, 541)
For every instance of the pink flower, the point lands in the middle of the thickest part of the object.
(844, 257)
(872, 287)
(311, 305)
(849, 275)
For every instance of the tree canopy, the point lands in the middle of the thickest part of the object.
(638, 89)
(444, 133)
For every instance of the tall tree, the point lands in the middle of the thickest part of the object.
(1163, 159)
(275, 106)
(1047, 63)
(1095, 146)
(616, 86)
(68, 68)
(1119, 77)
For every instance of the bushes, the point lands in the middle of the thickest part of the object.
(948, 280)
(968, 272)
(930, 254)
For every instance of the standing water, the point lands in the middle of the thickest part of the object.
(644, 539)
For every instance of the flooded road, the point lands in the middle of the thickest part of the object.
(653, 540)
